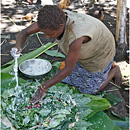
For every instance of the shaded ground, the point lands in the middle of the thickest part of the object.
(11, 23)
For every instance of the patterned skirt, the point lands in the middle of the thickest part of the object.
(85, 81)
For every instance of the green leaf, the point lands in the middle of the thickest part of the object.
(82, 102)
(100, 121)
(62, 111)
(54, 53)
(8, 93)
(123, 124)
(82, 125)
(60, 116)
(85, 113)
(56, 64)
(30, 55)
(113, 99)
(36, 118)
(55, 122)
(44, 112)
(8, 81)
(26, 120)
(97, 104)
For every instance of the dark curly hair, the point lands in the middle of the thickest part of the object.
(51, 16)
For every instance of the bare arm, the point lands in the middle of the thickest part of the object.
(71, 59)
(22, 36)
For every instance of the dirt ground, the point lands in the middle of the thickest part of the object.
(12, 23)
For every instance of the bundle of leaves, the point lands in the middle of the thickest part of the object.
(60, 102)
(62, 108)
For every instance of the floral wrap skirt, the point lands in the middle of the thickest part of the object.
(85, 81)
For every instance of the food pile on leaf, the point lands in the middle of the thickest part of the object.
(63, 107)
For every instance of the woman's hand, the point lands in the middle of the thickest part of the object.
(14, 52)
(38, 96)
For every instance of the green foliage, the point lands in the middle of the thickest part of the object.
(63, 112)
(55, 53)
(101, 121)
(113, 99)
(122, 123)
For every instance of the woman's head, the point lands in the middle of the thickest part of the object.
(51, 17)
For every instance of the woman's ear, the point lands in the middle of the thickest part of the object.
(61, 26)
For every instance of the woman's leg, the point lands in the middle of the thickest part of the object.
(113, 73)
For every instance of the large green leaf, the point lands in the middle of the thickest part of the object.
(8, 81)
(100, 121)
(122, 123)
(55, 53)
(97, 104)
(113, 99)
(9, 66)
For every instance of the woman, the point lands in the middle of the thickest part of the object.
(87, 43)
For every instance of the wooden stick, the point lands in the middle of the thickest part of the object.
(111, 90)
(5, 39)
(13, 22)
(118, 22)
(114, 84)
(4, 54)
(126, 81)
(5, 36)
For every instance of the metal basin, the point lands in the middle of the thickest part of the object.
(33, 68)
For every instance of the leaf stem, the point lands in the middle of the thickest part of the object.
(39, 39)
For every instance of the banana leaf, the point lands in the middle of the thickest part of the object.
(33, 54)
(113, 99)
(8, 81)
(97, 104)
(100, 121)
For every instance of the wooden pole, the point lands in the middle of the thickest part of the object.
(121, 22)
(118, 14)
(122, 31)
